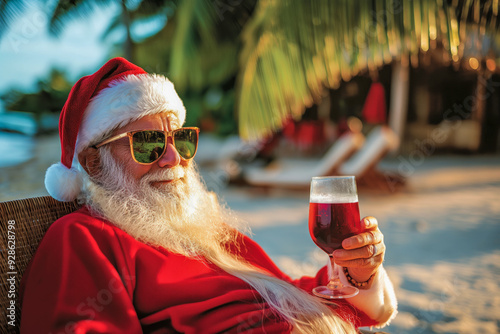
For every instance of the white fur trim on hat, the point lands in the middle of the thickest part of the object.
(126, 100)
(62, 183)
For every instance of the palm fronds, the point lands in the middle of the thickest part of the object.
(69, 10)
(204, 49)
(10, 10)
(293, 50)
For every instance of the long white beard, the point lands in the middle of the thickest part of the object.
(184, 217)
(181, 216)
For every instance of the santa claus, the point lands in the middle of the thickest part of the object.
(152, 250)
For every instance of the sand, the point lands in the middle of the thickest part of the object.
(26, 179)
(442, 232)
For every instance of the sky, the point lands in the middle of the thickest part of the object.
(28, 53)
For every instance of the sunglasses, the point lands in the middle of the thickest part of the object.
(148, 146)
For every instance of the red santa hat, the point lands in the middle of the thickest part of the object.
(117, 94)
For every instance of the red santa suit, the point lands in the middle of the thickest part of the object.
(89, 276)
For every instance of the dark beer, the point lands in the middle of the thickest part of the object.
(331, 223)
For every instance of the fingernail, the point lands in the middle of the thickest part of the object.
(367, 223)
(338, 253)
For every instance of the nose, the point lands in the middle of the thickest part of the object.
(171, 158)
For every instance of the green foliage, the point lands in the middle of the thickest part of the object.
(10, 10)
(216, 107)
(50, 96)
(68, 10)
(222, 112)
(198, 50)
(198, 45)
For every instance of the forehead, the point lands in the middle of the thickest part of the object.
(162, 121)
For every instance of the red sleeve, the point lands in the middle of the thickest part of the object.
(75, 283)
(257, 256)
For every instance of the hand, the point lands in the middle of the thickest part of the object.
(363, 253)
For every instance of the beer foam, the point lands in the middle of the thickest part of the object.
(334, 198)
(339, 189)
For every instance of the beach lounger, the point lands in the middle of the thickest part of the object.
(350, 155)
(379, 142)
(298, 173)
(213, 150)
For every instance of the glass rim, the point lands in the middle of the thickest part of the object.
(333, 177)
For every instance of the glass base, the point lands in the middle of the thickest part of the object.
(338, 293)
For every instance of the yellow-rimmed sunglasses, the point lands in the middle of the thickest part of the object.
(148, 146)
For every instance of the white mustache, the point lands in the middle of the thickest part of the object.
(166, 175)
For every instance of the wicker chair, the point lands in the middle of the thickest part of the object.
(30, 218)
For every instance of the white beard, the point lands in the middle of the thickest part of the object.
(181, 216)
(184, 217)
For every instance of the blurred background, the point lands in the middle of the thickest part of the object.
(405, 95)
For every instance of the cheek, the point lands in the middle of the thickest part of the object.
(135, 170)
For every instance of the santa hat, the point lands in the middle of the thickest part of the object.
(117, 94)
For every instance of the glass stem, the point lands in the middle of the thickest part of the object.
(334, 282)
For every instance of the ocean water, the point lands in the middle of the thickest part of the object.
(15, 148)
(16, 138)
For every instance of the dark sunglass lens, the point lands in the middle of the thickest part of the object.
(186, 142)
(148, 145)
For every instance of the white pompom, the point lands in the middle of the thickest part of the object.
(62, 183)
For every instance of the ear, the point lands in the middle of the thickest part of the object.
(90, 160)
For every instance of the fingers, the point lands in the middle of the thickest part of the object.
(370, 222)
(365, 263)
(372, 235)
(368, 257)
(363, 239)
(365, 252)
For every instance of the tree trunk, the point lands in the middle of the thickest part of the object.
(400, 88)
(128, 45)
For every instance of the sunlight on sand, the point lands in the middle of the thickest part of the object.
(443, 253)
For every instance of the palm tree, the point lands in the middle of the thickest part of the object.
(9, 10)
(67, 10)
(199, 43)
(198, 50)
(293, 50)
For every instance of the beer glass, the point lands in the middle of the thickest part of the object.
(333, 217)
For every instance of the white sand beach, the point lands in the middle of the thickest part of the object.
(442, 237)
(442, 234)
